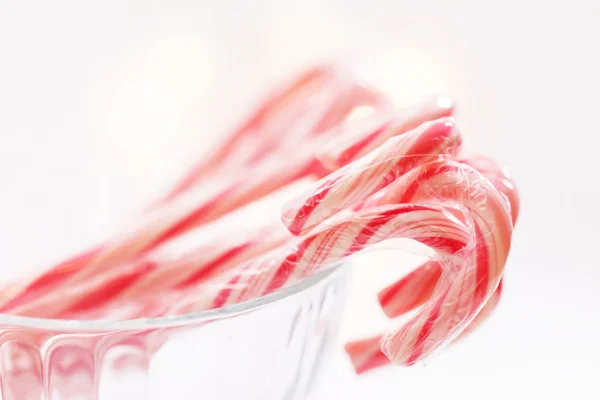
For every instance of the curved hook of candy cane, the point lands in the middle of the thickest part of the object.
(413, 289)
(450, 309)
(443, 182)
(499, 176)
(367, 175)
(366, 354)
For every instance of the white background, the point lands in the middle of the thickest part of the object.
(102, 102)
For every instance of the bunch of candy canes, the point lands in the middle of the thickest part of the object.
(390, 174)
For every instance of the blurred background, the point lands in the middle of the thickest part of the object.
(103, 103)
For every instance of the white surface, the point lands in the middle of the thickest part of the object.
(524, 74)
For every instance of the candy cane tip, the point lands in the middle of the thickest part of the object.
(365, 354)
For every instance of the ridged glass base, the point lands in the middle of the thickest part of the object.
(265, 352)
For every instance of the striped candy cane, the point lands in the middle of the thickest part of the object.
(374, 171)
(308, 106)
(439, 182)
(355, 138)
(413, 289)
(416, 288)
(177, 263)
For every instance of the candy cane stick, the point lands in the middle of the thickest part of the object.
(357, 138)
(153, 273)
(370, 173)
(181, 261)
(249, 133)
(313, 103)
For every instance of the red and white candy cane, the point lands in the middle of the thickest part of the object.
(372, 172)
(177, 263)
(413, 289)
(439, 182)
(355, 138)
(416, 288)
(314, 102)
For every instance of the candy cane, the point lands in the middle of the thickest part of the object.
(355, 138)
(199, 254)
(311, 104)
(370, 173)
(443, 181)
(457, 183)
(414, 289)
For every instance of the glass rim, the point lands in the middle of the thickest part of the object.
(107, 325)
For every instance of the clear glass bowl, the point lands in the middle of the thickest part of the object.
(268, 348)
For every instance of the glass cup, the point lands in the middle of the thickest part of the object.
(267, 348)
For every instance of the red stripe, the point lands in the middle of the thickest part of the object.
(427, 276)
(203, 271)
(426, 330)
(223, 295)
(351, 152)
(482, 270)
(375, 361)
(287, 267)
(65, 269)
(191, 220)
(112, 287)
(358, 348)
(302, 215)
(51, 278)
(379, 220)
(427, 143)
(428, 172)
